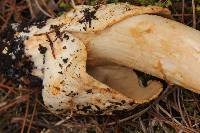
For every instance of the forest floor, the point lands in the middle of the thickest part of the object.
(22, 110)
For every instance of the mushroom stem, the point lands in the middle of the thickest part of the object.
(152, 44)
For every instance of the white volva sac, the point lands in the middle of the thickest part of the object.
(113, 39)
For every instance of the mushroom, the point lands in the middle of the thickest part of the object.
(113, 34)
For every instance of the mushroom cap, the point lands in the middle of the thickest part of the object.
(85, 18)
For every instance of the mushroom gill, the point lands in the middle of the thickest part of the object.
(125, 81)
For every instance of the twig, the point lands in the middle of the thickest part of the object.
(46, 109)
(2, 18)
(196, 124)
(180, 108)
(47, 8)
(184, 15)
(142, 125)
(17, 100)
(14, 90)
(8, 87)
(16, 119)
(194, 14)
(164, 111)
(33, 114)
(42, 10)
(184, 109)
(180, 127)
(73, 4)
(195, 121)
(130, 117)
(109, 124)
(183, 11)
(25, 117)
(8, 16)
(196, 101)
(62, 121)
(31, 9)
